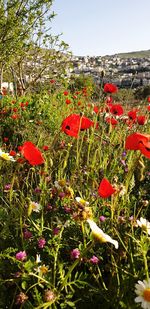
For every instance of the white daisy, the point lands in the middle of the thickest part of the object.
(35, 206)
(144, 224)
(6, 156)
(142, 289)
(100, 235)
(60, 184)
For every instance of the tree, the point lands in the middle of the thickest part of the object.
(24, 30)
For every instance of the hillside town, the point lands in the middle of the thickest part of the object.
(125, 72)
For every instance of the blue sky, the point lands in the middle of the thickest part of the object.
(103, 27)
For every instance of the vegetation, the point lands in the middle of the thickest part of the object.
(62, 180)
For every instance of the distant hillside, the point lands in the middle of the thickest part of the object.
(136, 54)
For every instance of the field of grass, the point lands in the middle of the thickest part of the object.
(74, 195)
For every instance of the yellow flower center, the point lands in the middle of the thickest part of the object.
(5, 156)
(99, 237)
(146, 294)
(33, 205)
(43, 269)
(62, 182)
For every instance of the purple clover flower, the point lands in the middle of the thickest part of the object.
(27, 234)
(102, 218)
(41, 243)
(21, 255)
(94, 260)
(75, 254)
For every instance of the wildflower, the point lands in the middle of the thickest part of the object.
(148, 99)
(60, 184)
(102, 218)
(132, 114)
(12, 153)
(49, 296)
(81, 201)
(21, 298)
(94, 259)
(138, 141)
(41, 243)
(100, 235)
(105, 188)
(110, 88)
(21, 255)
(27, 234)
(75, 123)
(144, 224)
(56, 231)
(75, 254)
(116, 109)
(65, 92)
(142, 289)
(45, 147)
(15, 116)
(37, 190)
(38, 258)
(111, 120)
(6, 156)
(6, 139)
(33, 206)
(68, 101)
(141, 120)
(7, 187)
(43, 269)
(52, 81)
(32, 153)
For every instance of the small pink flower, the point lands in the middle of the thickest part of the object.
(102, 218)
(75, 254)
(21, 255)
(27, 234)
(55, 231)
(94, 259)
(41, 243)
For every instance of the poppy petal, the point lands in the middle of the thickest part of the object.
(133, 140)
(32, 154)
(105, 188)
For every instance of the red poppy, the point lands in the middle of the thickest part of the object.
(105, 188)
(132, 114)
(74, 123)
(110, 88)
(12, 153)
(68, 101)
(138, 141)
(141, 120)
(96, 109)
(45, 147)
(111, 120)
(148, 99)
(116, 109)
(52, 81)
(66, 93)
(15, 116)
(15, 109)
(6, 139)
(148, 108)
(32, 153)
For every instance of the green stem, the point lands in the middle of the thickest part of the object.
(76, 262)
